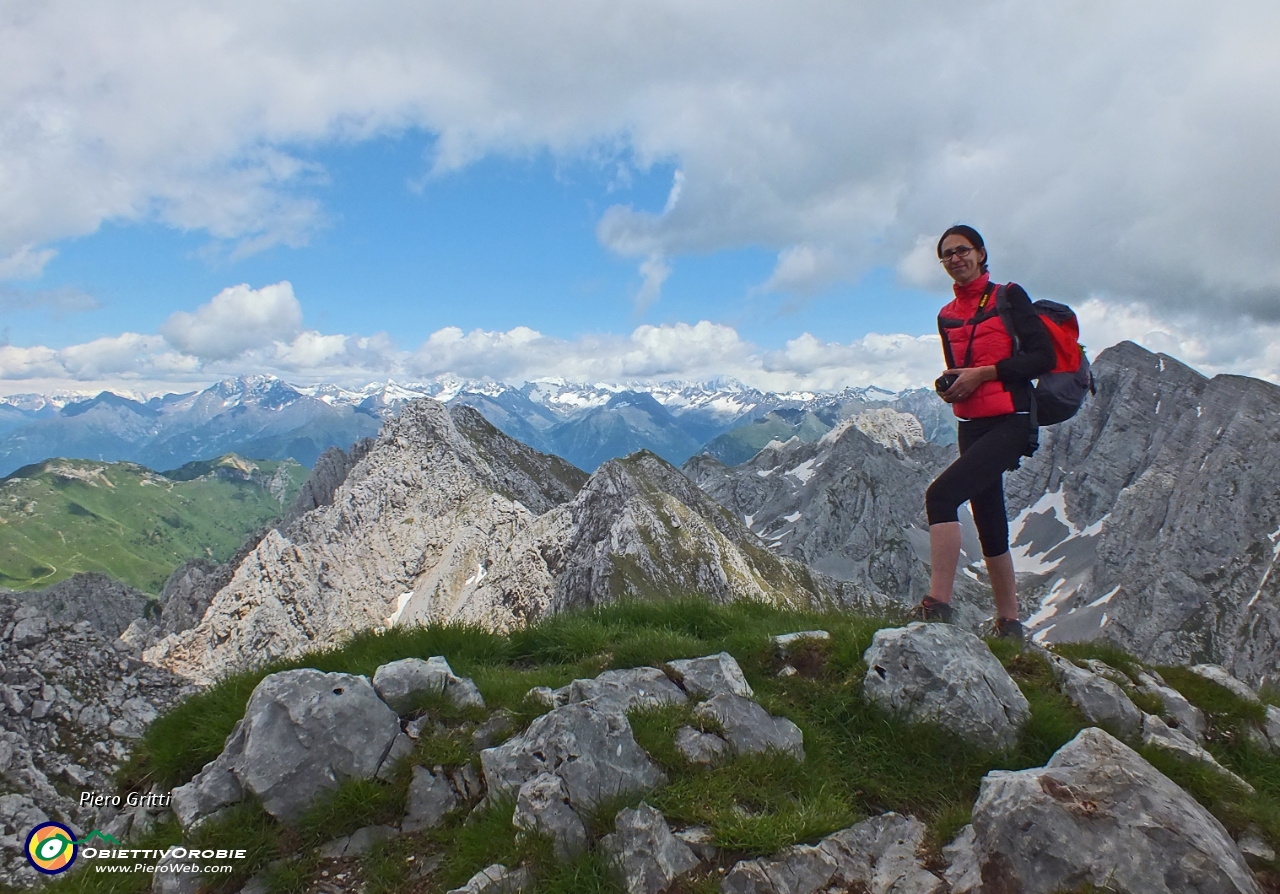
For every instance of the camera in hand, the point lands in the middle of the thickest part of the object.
(943, 382)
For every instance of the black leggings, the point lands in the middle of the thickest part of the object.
(988, 447)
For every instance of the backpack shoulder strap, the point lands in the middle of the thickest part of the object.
(1006, 315)
(946, 345)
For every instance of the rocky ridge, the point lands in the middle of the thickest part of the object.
(425, 508)
(444, 518)
(636, 528)
(849, 505)
(1153, 517)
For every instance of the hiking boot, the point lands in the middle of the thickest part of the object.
(931, 609)
(1007, 628)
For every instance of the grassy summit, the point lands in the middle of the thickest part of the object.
(859, 761)
(64, 516)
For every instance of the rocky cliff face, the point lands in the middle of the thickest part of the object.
(850, 505)
(637, 528)
(445, 518)
(434, 495)
(1153, 517)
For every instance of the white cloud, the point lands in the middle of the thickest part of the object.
(235, 320)
(25, 262)
(1117, 150)
(29, 363)
(655, 271)
(59, 302)
(679, 351)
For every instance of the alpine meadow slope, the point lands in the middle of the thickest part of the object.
(62, 517)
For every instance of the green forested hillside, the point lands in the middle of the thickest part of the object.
(60, 517)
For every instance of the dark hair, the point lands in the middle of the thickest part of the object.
(968, 232)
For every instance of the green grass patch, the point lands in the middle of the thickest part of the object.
(1101, 650)
(65, 516)
(1223, 708)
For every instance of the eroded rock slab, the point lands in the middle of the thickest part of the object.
(937, 673)
(1220, 675)
(647, 856)
(306, 731)
(1156, 732)
(593, 751)
(497, 879)
(430, 798)
(802, 869)
(696, 747)
(1178, 712)
(883, 854)
(1098, 698)
(1098, 814)
(620, 691)
(749, 728)
(711, 675)
(543, 807)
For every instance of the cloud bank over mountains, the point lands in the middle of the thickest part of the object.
(261, 330)
(1122, 153)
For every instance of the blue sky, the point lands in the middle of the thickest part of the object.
(505, 242)
(644, 191)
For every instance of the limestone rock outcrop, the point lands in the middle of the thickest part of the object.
(73, 698)
(1152, 516)
(428, 508)
(594, 752)
(1097, 814)
(647, 857)
(937, 673)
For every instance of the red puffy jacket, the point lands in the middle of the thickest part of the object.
(973, 335)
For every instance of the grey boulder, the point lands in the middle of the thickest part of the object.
(215, 787)
(883, 854)
(402, 683)
(800, 869)
(1178, 712)
(30, 631)
(430, 798)
(785, 643)
(647, 856)
(749, 728)
(620, 691)
(401, 747)
(1099, 699)
(1098, 814)
(593, 751)
(497, 879)
(543, 807)
(175, 876)
(1155, 732)
(1271, 726)
(711, 675)
(697, 747)
(938, 673)
(358, 842)
(1220, 675)
(304, 732)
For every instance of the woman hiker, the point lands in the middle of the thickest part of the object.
(988, 385)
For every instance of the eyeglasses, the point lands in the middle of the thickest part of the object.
(961, 252)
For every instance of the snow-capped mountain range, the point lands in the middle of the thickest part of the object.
(268, 418)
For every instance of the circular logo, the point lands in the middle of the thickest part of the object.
(51, 848)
